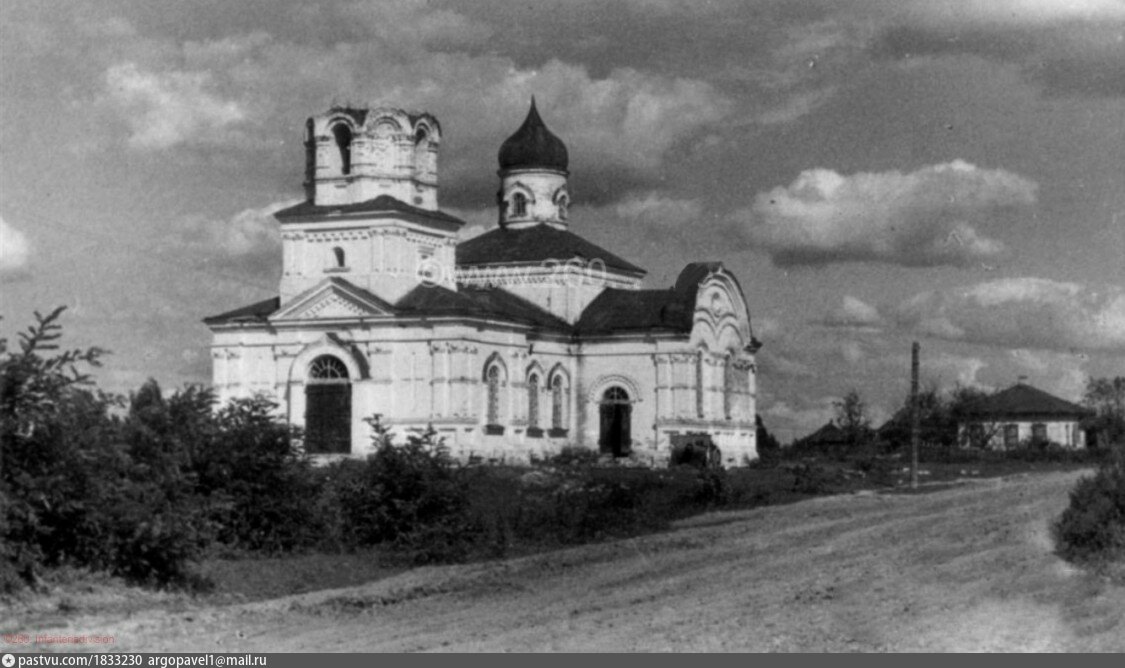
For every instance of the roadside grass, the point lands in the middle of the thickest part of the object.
(518, 511)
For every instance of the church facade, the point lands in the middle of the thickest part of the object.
(511, 345)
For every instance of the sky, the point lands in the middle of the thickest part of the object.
(874, 172)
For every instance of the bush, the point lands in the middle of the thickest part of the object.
(573, 455)
(1092, 528)
(72, 491)
(410, 496)
(264, 491)
(812, 478)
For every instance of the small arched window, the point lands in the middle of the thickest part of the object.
(519, 205)
(563, 203)
(343, 136)
(310, 151)
(327, 369)
(729, 386)
(533, 402)
(558, 405)
(420, 134)
(493, 379)
(339, 253)
(699, 389)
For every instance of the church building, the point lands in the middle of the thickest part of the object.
(511, 345)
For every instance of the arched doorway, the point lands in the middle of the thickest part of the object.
(328, 407)
(616, 416)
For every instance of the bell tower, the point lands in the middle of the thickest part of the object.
(533, 176)
(355, 155)
(371, 214)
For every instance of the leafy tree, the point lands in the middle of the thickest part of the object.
(34, 392)
(1106, 397)
(72, 487)
(852, 417)
(769, 449)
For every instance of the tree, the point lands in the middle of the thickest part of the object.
(1106, 397)
(769, 450)
(852, 418)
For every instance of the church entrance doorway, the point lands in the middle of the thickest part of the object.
(616, 417)
(328, 407)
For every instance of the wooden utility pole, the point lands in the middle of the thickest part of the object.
(915, 415)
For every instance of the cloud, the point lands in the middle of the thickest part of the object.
(1068, 48)
(1015, 12)
(944, 367)
(164, 109)
(248, 244)
(854, 313)
(1061, 374)
(923, 218)
(800, 419)
(1031, 313)
(15, 251)
(657, 209)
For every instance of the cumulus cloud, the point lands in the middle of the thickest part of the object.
(246, 245)
(1068, 48)
(15, 250)
(945, 368)
(1031, 313)
(1061, 374)
(854, 313)
(163, 109)
(1016, 12)
(922, 218)
(655, 208)
(801, 417)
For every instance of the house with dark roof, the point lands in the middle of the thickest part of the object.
(1019, 415)
(511, 344)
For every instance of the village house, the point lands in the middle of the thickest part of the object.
(1022, 414)
(511, 345)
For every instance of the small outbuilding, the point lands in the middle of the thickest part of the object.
(1019, 415)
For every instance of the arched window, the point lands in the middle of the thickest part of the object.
(533, 402)
(339, 253)
(519, 205)
(420, 134)
(328, 407)
(343, 135)
(616, 422)
(310, 151)
(730, 384)
(558, 403)
(493, 379)
(563, 203)
(699, 384)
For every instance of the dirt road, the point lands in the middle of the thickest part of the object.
(968, 568)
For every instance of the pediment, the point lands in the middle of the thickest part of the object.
(333, 301)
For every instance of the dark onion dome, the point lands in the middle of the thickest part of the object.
(533, 146)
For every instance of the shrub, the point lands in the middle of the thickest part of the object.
(573, 455)
(264, 491)
(812, 478)
(72, 492)
(409, 496)
(1092, 528)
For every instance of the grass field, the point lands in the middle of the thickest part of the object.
(964, 567)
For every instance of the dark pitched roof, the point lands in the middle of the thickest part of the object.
(533, 145)
(828, 434)
(475, 301)
(1023, 400)
(381, 204)
(257, 312)
(616, 310)
(533, 245)
(671, 309)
